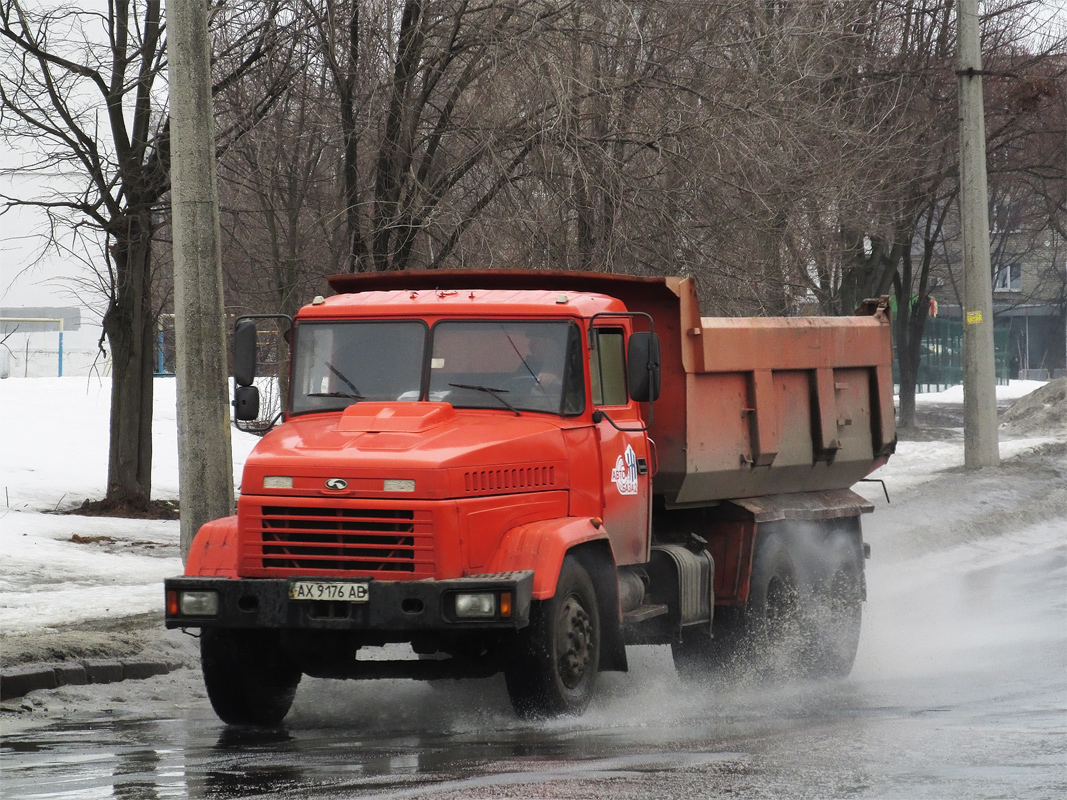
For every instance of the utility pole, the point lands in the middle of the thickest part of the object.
(980, 445)
(205, 467)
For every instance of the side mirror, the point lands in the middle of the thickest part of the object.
(642, 367)
(244, 353)
(246, 403)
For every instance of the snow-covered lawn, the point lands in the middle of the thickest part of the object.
(53, 455)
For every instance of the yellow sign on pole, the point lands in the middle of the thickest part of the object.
(974, 317)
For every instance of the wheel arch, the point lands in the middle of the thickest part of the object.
(542, 546)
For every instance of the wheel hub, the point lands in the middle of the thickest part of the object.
(575, 642)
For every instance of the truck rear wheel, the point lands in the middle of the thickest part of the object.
(554, 669)
(249, 679)
(775, 630)
(837, 611)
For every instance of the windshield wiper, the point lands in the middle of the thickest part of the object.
(490, 391)
(523, 360)
(347, 395)
(356, 393)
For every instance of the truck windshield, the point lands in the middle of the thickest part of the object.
(521, 365)
(336, 364)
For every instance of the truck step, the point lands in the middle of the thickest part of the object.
(642, 613)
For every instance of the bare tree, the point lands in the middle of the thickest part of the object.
(283, 227)
(425, 146)
(1021, 106)
(785, 155)
(84, 89)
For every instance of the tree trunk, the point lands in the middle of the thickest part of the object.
(395, 154)
(909, 345)
(908, 370)
(348, 80)
(128, 325)
(912, 309)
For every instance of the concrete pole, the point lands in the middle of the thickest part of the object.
(980, 445)
(205, 471)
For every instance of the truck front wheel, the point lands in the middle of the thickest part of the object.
(249, 678)
(554, 668)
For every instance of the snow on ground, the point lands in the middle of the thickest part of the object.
(53, 455)
(914, 462)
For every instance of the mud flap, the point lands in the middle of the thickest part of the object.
(602, 572)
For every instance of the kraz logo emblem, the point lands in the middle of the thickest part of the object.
(337, 483)
(624, 476)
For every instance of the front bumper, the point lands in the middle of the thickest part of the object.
(392, 606)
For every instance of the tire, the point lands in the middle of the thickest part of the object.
(249, 679)
(554, 668)
(776, 628)
(837, 610)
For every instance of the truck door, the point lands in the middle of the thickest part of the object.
(624, 457)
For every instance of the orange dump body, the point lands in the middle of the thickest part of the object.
(749, 406)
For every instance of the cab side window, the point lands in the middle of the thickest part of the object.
(607, 368)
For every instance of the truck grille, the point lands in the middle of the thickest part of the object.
(313, 539)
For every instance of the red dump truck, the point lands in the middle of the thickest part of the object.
(525, 472)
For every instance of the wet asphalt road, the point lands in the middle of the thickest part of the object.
(975, 733)
(982, 718)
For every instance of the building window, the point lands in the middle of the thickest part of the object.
(1008, 278)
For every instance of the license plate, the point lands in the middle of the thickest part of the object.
(324, 590)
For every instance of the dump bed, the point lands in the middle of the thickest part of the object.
(750, 406)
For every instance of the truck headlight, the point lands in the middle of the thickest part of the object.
(198, 604)
(476, 605)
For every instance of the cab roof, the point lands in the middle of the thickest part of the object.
(466, 303)
(464, 293)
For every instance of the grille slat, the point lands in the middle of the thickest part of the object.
(312, 557)
(342, 539)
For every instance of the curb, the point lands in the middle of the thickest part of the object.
(19, 681)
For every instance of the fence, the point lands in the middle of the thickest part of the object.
(941, 355)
